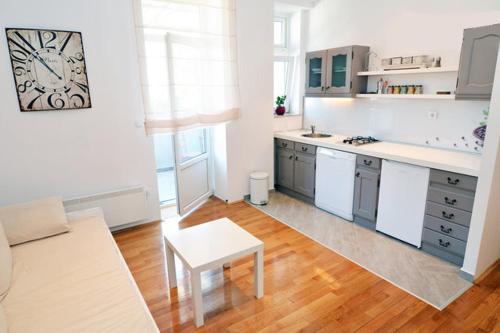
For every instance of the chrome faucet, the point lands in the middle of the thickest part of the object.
(313, 129)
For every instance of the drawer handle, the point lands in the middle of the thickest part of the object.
(450, 202)
(367, 162)
(453, 182)
(448, 216)
(296, 158)
(304, 148)
(446, 230)
(357, 174)
(290, 157)
(443, 244)
(284, 144)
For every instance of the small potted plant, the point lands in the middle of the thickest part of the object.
(280, 108)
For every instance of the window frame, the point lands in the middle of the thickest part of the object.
(284, 31)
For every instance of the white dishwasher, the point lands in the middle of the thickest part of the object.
(335, 181)
(401, 206)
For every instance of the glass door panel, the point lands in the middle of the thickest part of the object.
(339, 70)
(315, 72)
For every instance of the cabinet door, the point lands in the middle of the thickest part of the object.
(338, 67)
(285, 168)
(304, 174)
(478, 60)
(366, 184)
(315, 72)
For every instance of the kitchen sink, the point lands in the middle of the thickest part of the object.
(316, 135)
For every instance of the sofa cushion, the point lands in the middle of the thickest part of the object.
(34, 220)
(75, 282)
(5, 264)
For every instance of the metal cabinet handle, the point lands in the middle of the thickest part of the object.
(453, 182)
(448, 216)
(367, 162)
(450, 202)
(443, 244)
(357, 174)
(304, 148)
(327, 88)
(290, 157)
(296, 158)
(322, 88)
(284, 144)
(446, 230)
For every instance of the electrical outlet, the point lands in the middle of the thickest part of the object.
(432, 115)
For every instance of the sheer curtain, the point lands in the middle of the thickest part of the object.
(187, 53)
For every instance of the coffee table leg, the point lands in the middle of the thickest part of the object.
(259, 273)
(197, 300)
(172, 280)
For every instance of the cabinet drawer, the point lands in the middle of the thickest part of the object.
(449, 214)
(456, 199)
(281, 143)
(453, 180)
(304, 148)
(446, 228)
(448, 256)
(368, 161)
(444, 243)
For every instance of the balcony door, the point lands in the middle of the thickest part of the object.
(192, 169)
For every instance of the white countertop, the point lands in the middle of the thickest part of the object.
(455, 161)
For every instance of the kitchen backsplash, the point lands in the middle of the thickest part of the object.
(400, 120)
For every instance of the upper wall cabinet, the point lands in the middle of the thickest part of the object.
(332, 73)
(478, 60)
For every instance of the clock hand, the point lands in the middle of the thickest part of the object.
(47, 66)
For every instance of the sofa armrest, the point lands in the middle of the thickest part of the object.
(84, 214)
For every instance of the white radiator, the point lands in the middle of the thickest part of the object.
(120, 206)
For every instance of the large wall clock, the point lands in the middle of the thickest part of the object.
(49, 69)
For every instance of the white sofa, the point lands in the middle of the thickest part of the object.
(76, 281)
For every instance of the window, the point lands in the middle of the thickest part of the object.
(283, 62)
(280, 32)
(192, 144)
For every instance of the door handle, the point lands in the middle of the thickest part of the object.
(290, 157)
(443, 244)
(357, 174)
(296, 158)
(450, 202)
(446, 230)
(448, 216)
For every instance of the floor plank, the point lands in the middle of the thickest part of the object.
(308, 288)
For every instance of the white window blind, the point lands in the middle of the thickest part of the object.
(187, 53)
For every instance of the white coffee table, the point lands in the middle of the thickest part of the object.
(210, 245)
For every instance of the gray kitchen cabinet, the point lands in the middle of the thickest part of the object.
(333, 72)
(366, 191)
(448, 212)
(478, 60)
(304, 174)
(285, 162)
(295, 166)
(315, 74)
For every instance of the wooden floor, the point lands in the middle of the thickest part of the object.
(308, 288)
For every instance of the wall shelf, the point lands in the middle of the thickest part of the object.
(406, 96)
(411, 71)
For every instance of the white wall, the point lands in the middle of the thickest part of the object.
(250, 138)
(71, 153)
(403, 28)
(483, 246)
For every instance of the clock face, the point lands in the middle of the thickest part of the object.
(49, 69)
